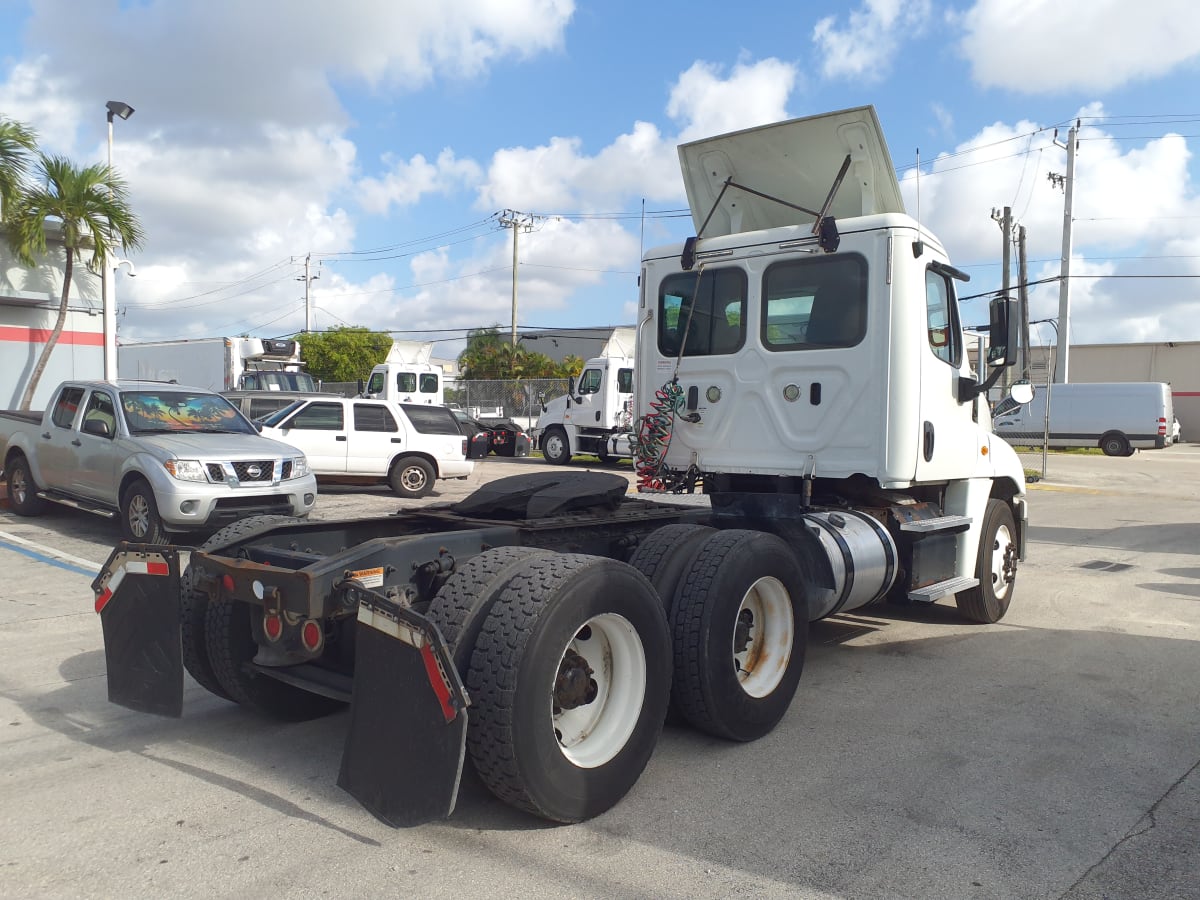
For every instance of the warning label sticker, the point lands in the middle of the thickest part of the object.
(369, 578)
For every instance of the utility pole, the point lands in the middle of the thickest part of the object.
(518, 222)
(308, 279)
(1023, 303)
(1067, 182)
(1005, 221)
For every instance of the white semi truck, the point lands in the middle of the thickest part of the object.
(800, 363)
(594, 416)
(407, 375)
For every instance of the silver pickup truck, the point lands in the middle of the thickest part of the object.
(161, 456)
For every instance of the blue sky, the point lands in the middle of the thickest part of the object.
(383, 137)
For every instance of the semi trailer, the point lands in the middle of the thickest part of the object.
(800, 373)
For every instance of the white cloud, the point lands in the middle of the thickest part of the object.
(410, 180)
(865, 47)
(704, 103)
(1093, 45)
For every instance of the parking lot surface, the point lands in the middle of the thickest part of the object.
(1054, 754)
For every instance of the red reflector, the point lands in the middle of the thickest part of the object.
(273, 626)
(227, 583)
(311, 635)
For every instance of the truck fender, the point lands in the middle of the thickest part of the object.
(137, 599)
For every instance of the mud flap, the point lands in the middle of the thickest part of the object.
(137, 598)
(408, 720)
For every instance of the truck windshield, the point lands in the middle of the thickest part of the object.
(155, 412)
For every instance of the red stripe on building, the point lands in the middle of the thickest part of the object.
(1185, 393)
(25, 335)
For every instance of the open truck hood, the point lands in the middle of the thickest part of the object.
(797, 161)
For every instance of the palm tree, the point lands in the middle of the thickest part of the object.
(17, 143)
(91, 206)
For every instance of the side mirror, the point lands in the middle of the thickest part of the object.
(1021, 392)
(1002, 332)
(97, 427)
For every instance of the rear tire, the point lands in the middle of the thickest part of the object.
(570, 678)
(556, 449)
(193, 603)
(1115, 444)
(22, 489)
(140, 520)
(995, 567)
(411, 477)
(740, 629)
(462, 605)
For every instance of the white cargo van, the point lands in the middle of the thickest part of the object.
(1117, 417)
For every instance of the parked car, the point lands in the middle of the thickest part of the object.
(1176, 435)
(407, 445)
(158, 457)
(504, 436)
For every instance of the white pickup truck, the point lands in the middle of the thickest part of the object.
(161, 456)
(408, 445)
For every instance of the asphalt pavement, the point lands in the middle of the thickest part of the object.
(1055, 754)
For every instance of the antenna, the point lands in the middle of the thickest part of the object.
(918, 246)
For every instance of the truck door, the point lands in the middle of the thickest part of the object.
(948, 437)
(319, 429)
(98, 454)
(374, 439)
(589, 411)
(54, 450)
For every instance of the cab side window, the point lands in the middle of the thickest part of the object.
(66, 407)
(589, 382)
(406, 382)
(429, 383)
(941, 313)
(100, 409)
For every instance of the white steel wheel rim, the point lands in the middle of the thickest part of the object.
(762, 661)
(1000, 547)
(139, 515)
(594, 732)
(554, 445)
(413, 478)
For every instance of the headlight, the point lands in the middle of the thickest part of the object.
(299, 466)
(186, 469)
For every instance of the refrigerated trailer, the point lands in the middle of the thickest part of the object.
(799, 370)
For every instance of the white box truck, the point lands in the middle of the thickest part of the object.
(1117, 417)
(218, 364)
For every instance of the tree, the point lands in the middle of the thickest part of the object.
(17, 144)
(91, 207)
(489, 356)
(345, 353)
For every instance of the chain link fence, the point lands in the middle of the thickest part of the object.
(516, 399)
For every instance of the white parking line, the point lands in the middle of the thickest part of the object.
(51, 551)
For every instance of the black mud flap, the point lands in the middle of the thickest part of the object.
(408, 719)
(137, 598)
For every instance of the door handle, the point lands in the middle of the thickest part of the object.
(46, 435)
(397, 440)
(928, 441)
(77, 443)
(340, 437)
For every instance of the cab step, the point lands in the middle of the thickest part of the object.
(940, 525)
(932, 592)
(78, 503)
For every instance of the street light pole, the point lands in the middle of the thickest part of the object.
(118, 109)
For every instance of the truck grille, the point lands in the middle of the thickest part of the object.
(250, 471)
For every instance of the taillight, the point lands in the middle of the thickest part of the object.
(464, 446)
(311, 635)
(227, 583)
(1162, 425)
(272, 627)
